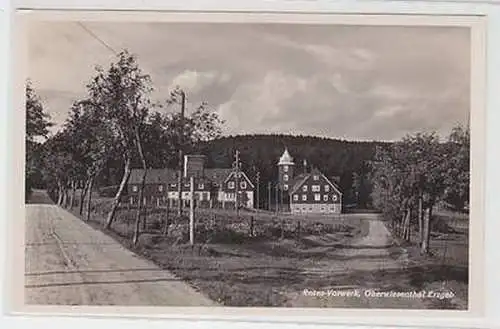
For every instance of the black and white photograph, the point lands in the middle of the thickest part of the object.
(248, 164)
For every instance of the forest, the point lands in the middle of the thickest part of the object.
(117, 127)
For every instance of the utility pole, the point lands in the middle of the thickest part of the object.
(236, 166)
(276, 196)
(191, 211)
(269, 196)
(258, 189)
(181, 146)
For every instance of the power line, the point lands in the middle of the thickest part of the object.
(92, 34)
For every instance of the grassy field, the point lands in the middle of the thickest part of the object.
(265, 261)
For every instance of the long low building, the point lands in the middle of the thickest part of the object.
(214, 187)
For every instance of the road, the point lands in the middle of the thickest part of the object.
(69, 263)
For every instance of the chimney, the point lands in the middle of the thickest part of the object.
(304, 164)
(194, 165)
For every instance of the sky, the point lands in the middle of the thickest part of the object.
(338, 81)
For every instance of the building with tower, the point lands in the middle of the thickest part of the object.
(308, 192)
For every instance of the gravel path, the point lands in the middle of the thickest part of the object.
(69, 263)
(369, 254)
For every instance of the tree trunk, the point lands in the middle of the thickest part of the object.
(119, 193)
(65, 197)
(73, 195)
(89, 202)
(83, 195)
(59, 194)
(426, 231)
(141, 191)
(420, 221)
(167, 219)
(407, 225)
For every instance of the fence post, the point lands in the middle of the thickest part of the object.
(282, 228)
(251, 226)
(298, 229)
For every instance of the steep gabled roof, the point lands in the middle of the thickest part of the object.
(299, 181)
(244, 175)
(153, 176)
(217, 175)
(302, 178)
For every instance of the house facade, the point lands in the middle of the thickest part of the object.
(309, 192)
(215, 188)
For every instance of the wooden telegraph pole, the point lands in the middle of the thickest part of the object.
(269, 196)
(236, 166)
(258, 189)
(181, 154)
(191, 211)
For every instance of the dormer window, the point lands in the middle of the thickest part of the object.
(304, 188)
(134, 188)
(285, 187)
(285, 168)
(201, 186)
(285, 178)
(230, 185)
(243, 185)
(316, 177)
(160, 188)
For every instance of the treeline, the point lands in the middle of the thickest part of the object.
(414, 175)
(116, 125)
(348, 162)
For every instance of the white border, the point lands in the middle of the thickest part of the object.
(368, 7)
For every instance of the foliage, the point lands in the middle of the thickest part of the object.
(37, 126)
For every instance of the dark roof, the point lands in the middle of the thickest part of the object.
(153, 176)
(300, 179)
(168, 176)
(217, 175)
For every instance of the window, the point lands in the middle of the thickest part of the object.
(327, 188)
(304, 197)
(186, 184)
(134, 188)
(325, 197)
(285, 177)
(243, 185)
(304, 188)
(285, 168)
(334, 197)
(173, 185)
(185, 194)
(285, 187)
(201, 186)
(316, 177)
(317, 197)
(315, 188)
(207, 195)
(230, 185)
(295, 197)
(160, 188)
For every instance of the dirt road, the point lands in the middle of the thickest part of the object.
(69, 263)
(369, 254)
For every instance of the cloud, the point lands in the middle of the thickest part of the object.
(194, 81)
(356, 82)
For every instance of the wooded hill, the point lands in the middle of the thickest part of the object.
(335, 158)
(340, 159)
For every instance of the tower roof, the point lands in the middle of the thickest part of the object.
(286, 158)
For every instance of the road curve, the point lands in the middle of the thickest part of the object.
(69, 263)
